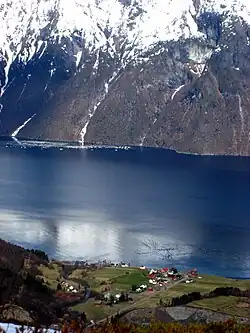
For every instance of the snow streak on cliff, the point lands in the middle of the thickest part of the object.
(155, 67)
(128, 26)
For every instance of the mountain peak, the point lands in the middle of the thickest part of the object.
(172, 51)
(142, 21)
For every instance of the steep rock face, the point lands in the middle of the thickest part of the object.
(145, 72)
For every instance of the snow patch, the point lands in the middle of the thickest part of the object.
(176, 91)
(96, 64)
(52, 72)
(158, 20)
(197, 69)
(91, 113)
(14, 134)
(217, 50)
(199, 55)
(241, 113)
(142, 140)
(13, 328)
(78, 58)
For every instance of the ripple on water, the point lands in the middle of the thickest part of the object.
(145, 206)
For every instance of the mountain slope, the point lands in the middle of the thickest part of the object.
(134, 72)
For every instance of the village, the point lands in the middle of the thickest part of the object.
(112, 283)
(157, 280)
(103, 289)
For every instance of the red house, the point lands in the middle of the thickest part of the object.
(194, 272)
(165, 269)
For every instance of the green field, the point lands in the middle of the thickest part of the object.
(114, 272)
(230, 305)
(51, 274)
(133, 278)
(98, 312)
(121, 279)
(207, 284)
(234, 306)
(92, 311)
(204, 285)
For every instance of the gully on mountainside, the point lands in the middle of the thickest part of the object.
(152, 73)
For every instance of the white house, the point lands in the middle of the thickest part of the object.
(153, 271)
(124, 265)
(143, 286)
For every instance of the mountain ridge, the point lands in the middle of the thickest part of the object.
(145, 72)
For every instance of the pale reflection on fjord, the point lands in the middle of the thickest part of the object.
(146, 207)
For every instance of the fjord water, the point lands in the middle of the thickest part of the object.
(146, 206)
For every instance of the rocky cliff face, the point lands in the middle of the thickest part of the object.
(168, 73)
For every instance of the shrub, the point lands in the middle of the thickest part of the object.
(133, 288)
(157, 327)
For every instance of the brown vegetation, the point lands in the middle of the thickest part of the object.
(20, 287)
(158, 327)
(27, 295)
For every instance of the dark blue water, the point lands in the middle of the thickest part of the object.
(146, 206)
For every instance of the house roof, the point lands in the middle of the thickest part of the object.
(151, 276)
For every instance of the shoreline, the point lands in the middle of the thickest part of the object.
(74, 262)
(102, 289)
(148, 267)
(123, 147)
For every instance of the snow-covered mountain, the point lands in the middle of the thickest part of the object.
(169, 73)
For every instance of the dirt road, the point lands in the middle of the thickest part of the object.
(142, 300)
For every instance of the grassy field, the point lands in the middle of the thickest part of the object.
(234, 306)
(98, 312)
(78, 274)
(204, 285)
(119, 279)
(92, 311)
(122, 279)
(51, 275)
(115, 272)
(207, 284)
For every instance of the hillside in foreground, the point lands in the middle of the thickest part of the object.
(36, 291)
(226, 327)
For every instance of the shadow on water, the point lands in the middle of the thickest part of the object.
(149, 206)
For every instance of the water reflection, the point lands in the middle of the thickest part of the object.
(76, 205)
